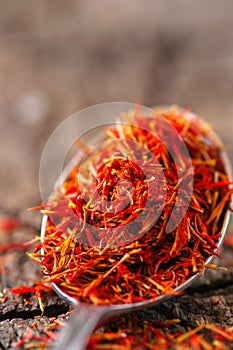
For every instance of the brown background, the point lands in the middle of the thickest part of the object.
(57, 57)
(73, 54)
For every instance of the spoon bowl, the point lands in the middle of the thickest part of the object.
(86, 316)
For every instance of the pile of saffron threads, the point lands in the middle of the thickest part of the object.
(78, 250)
(136, 334)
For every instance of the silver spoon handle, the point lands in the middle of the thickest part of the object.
(80, 327)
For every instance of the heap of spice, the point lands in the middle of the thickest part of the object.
(88, 247)
(135, 334)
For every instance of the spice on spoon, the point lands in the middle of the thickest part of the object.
(97, 270)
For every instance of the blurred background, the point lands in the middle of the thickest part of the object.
(57, 57)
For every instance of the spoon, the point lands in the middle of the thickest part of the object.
(86, 316)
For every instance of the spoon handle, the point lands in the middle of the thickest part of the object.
(81, 325)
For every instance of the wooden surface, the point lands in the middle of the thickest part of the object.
(75, 54)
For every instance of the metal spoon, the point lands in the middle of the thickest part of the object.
(86, 316)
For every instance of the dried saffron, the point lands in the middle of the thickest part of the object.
(161, 335)
(90, 250)
(137, 334)
(9, 224)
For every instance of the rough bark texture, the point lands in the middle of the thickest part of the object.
(73, 54)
